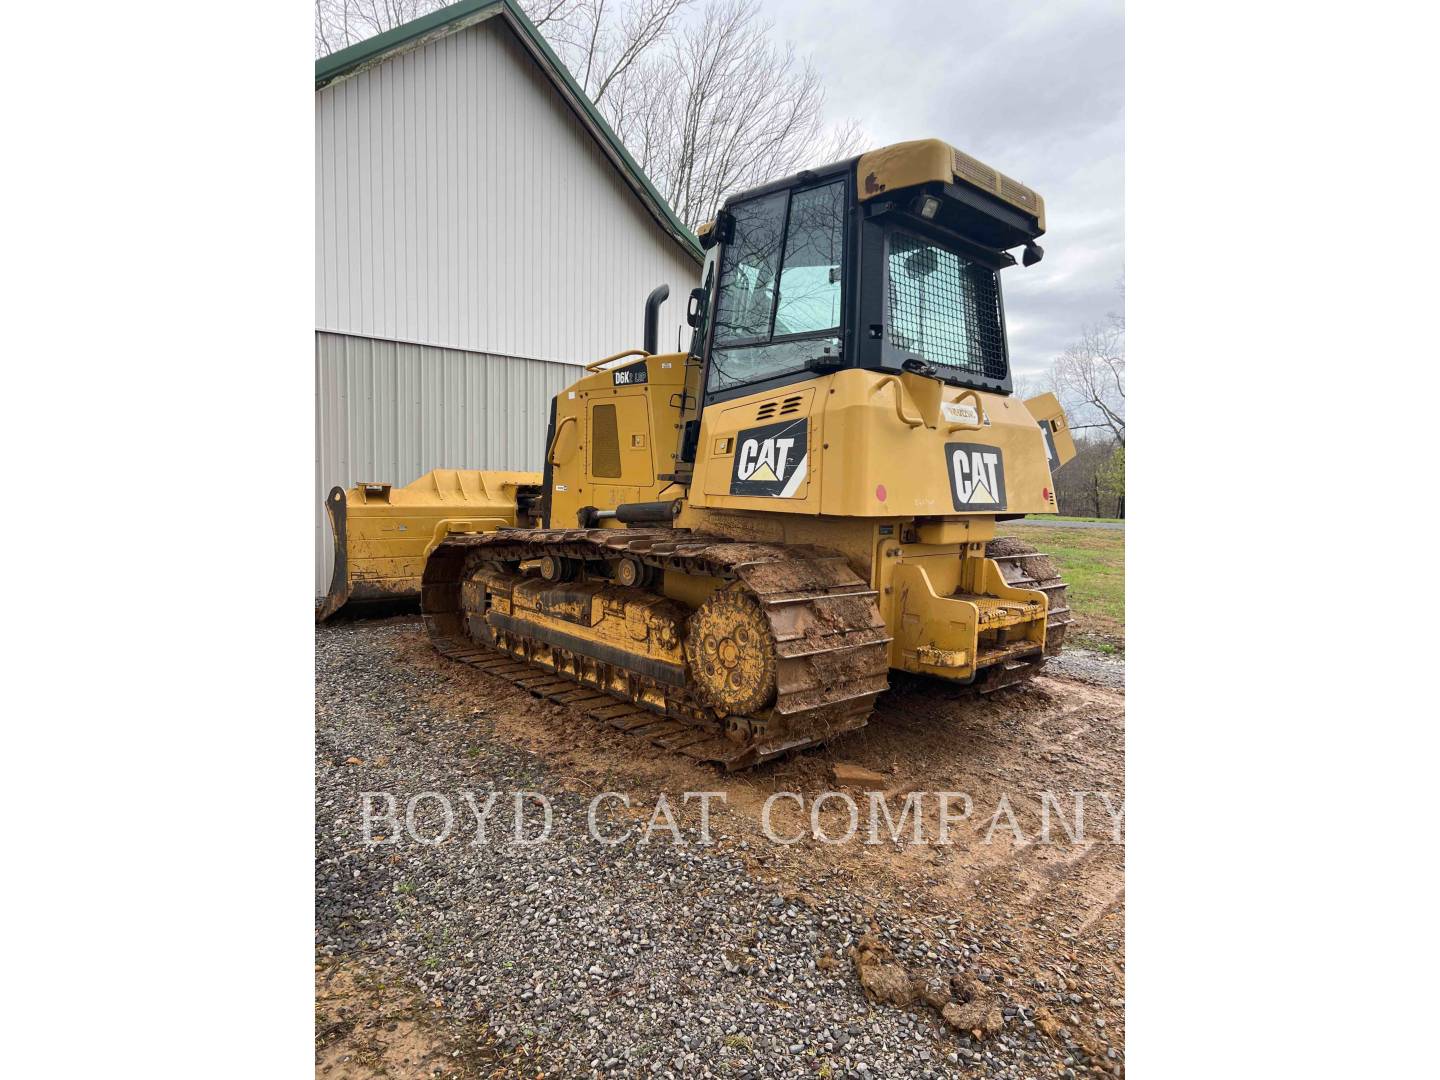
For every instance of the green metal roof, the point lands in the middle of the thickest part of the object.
(448, 20)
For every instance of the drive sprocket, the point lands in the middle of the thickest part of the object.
(731, 654)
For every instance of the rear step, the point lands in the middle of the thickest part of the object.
(1007, 654)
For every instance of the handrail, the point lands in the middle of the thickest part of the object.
(905, 417)
(960, 425)
(550, 451)
(596, 365)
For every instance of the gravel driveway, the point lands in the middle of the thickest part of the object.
(574, 958)
(1086, 666)
(1052, 523)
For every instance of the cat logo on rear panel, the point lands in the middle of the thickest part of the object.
(977, 476)
(771, 460)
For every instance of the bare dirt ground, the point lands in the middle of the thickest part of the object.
(371, 1025)
(1040, 922)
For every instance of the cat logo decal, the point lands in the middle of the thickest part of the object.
(771, 460)
(977, 476)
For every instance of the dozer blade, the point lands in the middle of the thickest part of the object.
(383, 534)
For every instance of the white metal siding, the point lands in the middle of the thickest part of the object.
(391, 412)
(460, 203)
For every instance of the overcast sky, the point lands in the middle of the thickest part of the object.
(1035, 89)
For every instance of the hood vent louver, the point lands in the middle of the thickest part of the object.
(785, 407)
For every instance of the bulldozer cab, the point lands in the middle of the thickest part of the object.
(888, 262)
(856, 310)
(848, 359)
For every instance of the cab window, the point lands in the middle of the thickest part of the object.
(747, 273)
(944, 308)
(810, 272)
(779, 302)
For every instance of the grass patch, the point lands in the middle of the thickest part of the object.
(1092, 562)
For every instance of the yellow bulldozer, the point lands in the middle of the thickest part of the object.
(732, 547)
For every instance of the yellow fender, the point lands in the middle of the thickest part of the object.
(1059, 443)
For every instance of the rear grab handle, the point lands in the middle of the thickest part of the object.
(913, 421)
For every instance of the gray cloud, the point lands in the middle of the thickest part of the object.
(1034, 89)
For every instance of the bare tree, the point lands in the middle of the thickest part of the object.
(1092, 484)
(601, 41)
(339, 23)
(706, 103)
(1089, 378)
(722, 108)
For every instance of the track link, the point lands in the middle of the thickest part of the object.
(830, 642)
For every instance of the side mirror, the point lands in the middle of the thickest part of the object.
(695, 312)
(724, 227)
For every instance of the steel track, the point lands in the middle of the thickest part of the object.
(830, 640)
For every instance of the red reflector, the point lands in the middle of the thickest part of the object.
(880, 492)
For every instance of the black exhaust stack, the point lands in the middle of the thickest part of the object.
(658, 296)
